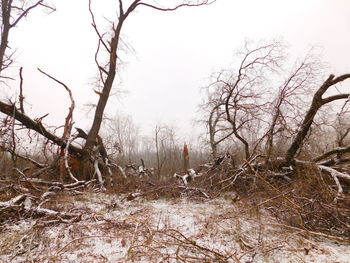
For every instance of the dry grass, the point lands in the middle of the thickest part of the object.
(113, 229)
(265, 219)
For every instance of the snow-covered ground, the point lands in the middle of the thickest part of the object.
(113, 229)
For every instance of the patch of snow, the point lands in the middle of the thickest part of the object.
(20, 226)
(116, 230)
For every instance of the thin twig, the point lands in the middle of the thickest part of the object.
(21, 97)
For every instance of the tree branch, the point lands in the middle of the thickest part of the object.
(206, 2)
(340, 150)
(37, 126)
(316, 104)
(335, 97)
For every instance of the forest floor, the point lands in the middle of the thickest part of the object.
(115, 229)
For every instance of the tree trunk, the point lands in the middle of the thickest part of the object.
(5, 12)
(186, 158)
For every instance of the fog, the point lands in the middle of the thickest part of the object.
(169, 55)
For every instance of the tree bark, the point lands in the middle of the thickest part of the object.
(186, 158)
(5, 12)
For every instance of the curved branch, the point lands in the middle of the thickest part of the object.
(205, 2)
(335, 97)
(340, 150)
(69, 117)
(94, 25)
(340, 78)
(25, 12)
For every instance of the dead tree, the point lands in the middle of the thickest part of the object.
(107, 75)
(160, 150)
(186, 158)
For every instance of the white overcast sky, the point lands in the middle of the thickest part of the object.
(175, 53)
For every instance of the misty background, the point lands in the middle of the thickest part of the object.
(168, 58)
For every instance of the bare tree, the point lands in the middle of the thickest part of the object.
(12, 12)
(217, 127)
(107, 74)
(241, 95)
(122, 138)
(242, 99)
(291, 99)
(160, 149)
